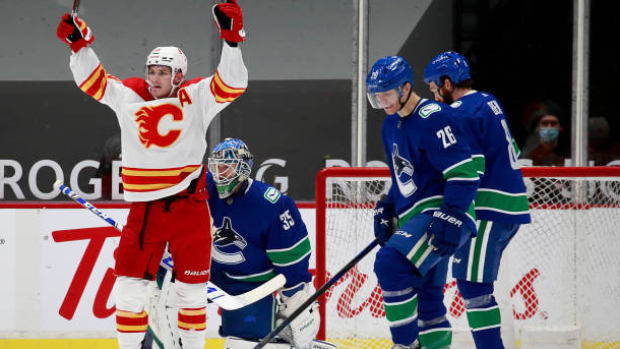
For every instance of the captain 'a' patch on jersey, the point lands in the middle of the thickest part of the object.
(403, 172)
(228, 245)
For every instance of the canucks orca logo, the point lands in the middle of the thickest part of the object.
(403, 171)
(228, 245)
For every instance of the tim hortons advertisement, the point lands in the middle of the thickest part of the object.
(58, 265)
(65, 258)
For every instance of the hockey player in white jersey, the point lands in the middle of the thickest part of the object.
(163, 119)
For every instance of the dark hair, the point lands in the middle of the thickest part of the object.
(467, 83)
(538, 115)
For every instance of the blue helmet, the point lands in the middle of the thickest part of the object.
(390, 72)
(450, 64)
(231, 164)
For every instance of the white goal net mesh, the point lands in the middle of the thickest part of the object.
(559, 280)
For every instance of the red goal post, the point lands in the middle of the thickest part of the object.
(549, 274)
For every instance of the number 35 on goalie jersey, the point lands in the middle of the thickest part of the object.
(258, 234)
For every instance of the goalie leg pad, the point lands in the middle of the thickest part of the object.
(302, 330)
(238, 343)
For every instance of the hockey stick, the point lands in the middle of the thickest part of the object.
(76, 7)
(70, 193)
(214, 293)
(317, 294)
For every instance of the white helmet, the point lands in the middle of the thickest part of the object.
(169, 56)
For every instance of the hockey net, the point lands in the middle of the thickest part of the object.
(559, 279)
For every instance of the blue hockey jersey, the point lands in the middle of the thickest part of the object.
(258, 234)
(430, 162)
(501, 196)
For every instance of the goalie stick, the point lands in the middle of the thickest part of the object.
(214, 293)
(317, 294)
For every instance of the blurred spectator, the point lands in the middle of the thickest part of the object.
(601, 149)
(529, 118)
(111, 152)
(547, 144)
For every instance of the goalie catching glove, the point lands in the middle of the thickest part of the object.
(304, 328)
(229, 20)
(74, 32)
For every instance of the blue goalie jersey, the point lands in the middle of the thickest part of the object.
(430, 162)
(258, 234)
(501, 196)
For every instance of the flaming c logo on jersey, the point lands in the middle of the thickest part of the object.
(148, 119)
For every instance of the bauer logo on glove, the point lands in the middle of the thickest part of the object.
(447, 218)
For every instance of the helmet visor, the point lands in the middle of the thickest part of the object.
(385, 99)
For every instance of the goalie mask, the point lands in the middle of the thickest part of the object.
(231, 164)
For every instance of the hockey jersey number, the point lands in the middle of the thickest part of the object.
(447, 137)
(287, 220)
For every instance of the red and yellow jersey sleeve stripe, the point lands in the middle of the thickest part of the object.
(145, 180)
(96, 83)
(222, 92)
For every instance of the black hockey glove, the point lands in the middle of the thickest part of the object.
(383, 215)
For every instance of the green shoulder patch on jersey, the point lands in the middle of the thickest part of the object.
(456, 104)
(272, 195)
(428, 110)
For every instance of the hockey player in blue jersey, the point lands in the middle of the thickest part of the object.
(501, 202)
(434, 182)
(258, 233)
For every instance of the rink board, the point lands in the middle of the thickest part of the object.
(39, 273)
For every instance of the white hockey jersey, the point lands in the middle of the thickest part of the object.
(163, 140)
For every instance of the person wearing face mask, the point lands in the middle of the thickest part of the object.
(548, 151)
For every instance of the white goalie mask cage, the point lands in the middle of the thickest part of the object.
(231, 164)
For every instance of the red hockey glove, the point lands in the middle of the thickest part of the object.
(74, 31)
(229, 20)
